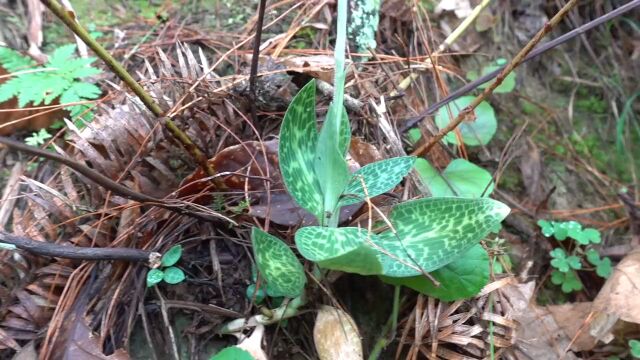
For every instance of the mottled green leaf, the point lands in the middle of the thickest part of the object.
(172, 256)
(154, 276)
(345, 133)
(474, 132)
(173, 275)
(297, 148)
(345, 249)
(378, 177)
(460, 279)
(432, 232)
(461, 178)
(278, 265)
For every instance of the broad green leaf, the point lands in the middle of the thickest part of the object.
(278, 265)
(232, 353)
(460, 279)
(461, 178)
(507, 86)
(173, 275)
(345, 133)
(432, 232)
(172, 256)
(474, 132)
(297, 148)
(378, 177)
(154, 276)
(345, 249)
(330, 166)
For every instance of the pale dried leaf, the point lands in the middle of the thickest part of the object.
(336, 335)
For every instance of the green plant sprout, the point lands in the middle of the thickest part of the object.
(566, 265)
(425, 234)
(169, 273)
(38, 138)
(62, 78)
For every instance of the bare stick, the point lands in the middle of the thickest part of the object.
(42, 248)
(517, 60)
(178, 206)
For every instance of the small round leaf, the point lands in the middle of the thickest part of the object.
(232, 353)
(172, 256)
(154, 276)
(173, 275)
(474, 132)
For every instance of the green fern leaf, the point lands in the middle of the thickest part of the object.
(13, 61)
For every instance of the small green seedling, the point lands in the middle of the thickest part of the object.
(582, 254)
(169, 273)
(426, 234)
(38, 138)
(232, 353)
(62, 78)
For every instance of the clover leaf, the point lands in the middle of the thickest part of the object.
(634, 348)
(568, 280)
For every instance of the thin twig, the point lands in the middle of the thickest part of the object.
(255, 59)
(122, 73)
(517, 60)
(409, 123)
(42, 248)
(177, 206)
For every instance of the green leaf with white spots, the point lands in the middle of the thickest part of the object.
(378, 178)
(461, 278)
(278, 265)
(432, 232)
(345, 133)
(297, 148)
(345, 249)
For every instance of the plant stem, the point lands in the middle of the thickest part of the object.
(122, 73)
(390, 327)
(285, 311)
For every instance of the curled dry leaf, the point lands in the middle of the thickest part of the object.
(317, 66)
(618, 298)
(336, 335)
(247, 167)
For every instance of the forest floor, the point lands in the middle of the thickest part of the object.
(565, 148)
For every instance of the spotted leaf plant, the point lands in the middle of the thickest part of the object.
(425, 234)
(422, 235)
